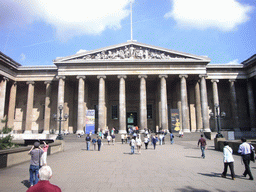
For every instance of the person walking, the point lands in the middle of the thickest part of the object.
(154, 141)
(203, 144)
(109, 139)
(138, 143)
(132, 143)
(94, 143)
(245, 150)
(36, 152)
(113, 139)
(228, 161)
(44, 156)
(88, 141)
(146, 141)
(172, 138)
(122, 138)
(99, 143)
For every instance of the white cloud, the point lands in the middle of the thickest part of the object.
(224, 15)
(22, 57)
(68, 18)
(81, 51)
(234, 62)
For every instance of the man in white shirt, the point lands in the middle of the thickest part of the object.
(132, 143)
(245, 151)
(228, 161)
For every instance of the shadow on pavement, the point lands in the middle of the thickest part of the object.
(196, 157)
(211, 174)
(26, 183)
(190, 189)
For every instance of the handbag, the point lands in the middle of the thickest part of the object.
(252, 155)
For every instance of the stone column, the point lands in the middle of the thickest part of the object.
(184, 103)
(12, 103)
(164, 114)
(143, 102)
(80, 112)
(198, 107)
(30, 102)
(47, 109)
(234, 104)
(61, 93)
(204, 100)
(251, 104)
(122, 104)
(102, 103)
(215, 99)
(3, 85)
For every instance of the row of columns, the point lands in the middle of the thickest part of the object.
(202, 113)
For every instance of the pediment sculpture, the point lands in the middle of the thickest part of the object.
(132, 52)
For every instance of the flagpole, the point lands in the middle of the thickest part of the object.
(131, 19)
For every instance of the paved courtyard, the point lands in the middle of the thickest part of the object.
(176, 167)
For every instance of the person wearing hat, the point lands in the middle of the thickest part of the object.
(36, 152)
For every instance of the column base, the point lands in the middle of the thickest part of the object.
(27, 132)
(46, 132)
(207, 130)
(186, 131)
(122, 132)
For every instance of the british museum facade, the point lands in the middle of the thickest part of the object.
(129, 84)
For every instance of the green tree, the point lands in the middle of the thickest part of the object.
(6, 142)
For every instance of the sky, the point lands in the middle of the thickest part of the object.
(34, 32)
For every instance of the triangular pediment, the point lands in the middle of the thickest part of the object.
(131, 51)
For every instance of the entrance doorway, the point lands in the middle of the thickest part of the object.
(131, 120)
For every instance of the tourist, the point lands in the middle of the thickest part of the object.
(245, 150)
(203, 144)
(94, 143)
(228, 161)
(113, 139)
(161, 139)
(99, 143)
(154, 141)
(172, 138)
(36, 152)
(132, 144)
(45, 174)
(146, 140)
(122, 138)
(181, 133)
(44, 156)
(88, 141)
(109, 139)
(128, 139)
(138, 143)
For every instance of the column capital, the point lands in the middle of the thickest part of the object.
(142, 76)
(164, 76)
(47, 82)
(232, 80)
(60, 77)
(201, 76)
(80, 77)
(6, 78)
(215, 80)
(180, 76)
(121, 76)
(30, 82)
(101, 76)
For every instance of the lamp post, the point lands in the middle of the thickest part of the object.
(218, 116)
(59, 137)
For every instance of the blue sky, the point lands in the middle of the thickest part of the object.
(36, 32)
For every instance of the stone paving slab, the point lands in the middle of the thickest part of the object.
(176, 167)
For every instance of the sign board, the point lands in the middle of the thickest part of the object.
(175, 120)
(90, 121)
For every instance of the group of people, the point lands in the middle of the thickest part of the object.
(245, 150)
(95, 142)
(39, 171)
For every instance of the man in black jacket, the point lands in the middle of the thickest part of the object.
(88, 140)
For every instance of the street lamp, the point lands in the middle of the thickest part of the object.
(59, 137)
(218, 116)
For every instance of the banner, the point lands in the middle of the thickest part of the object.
(175, 120)
(90, 121)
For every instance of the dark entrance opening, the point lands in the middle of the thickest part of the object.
(131, 120)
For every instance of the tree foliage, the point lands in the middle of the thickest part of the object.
(6, 141)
